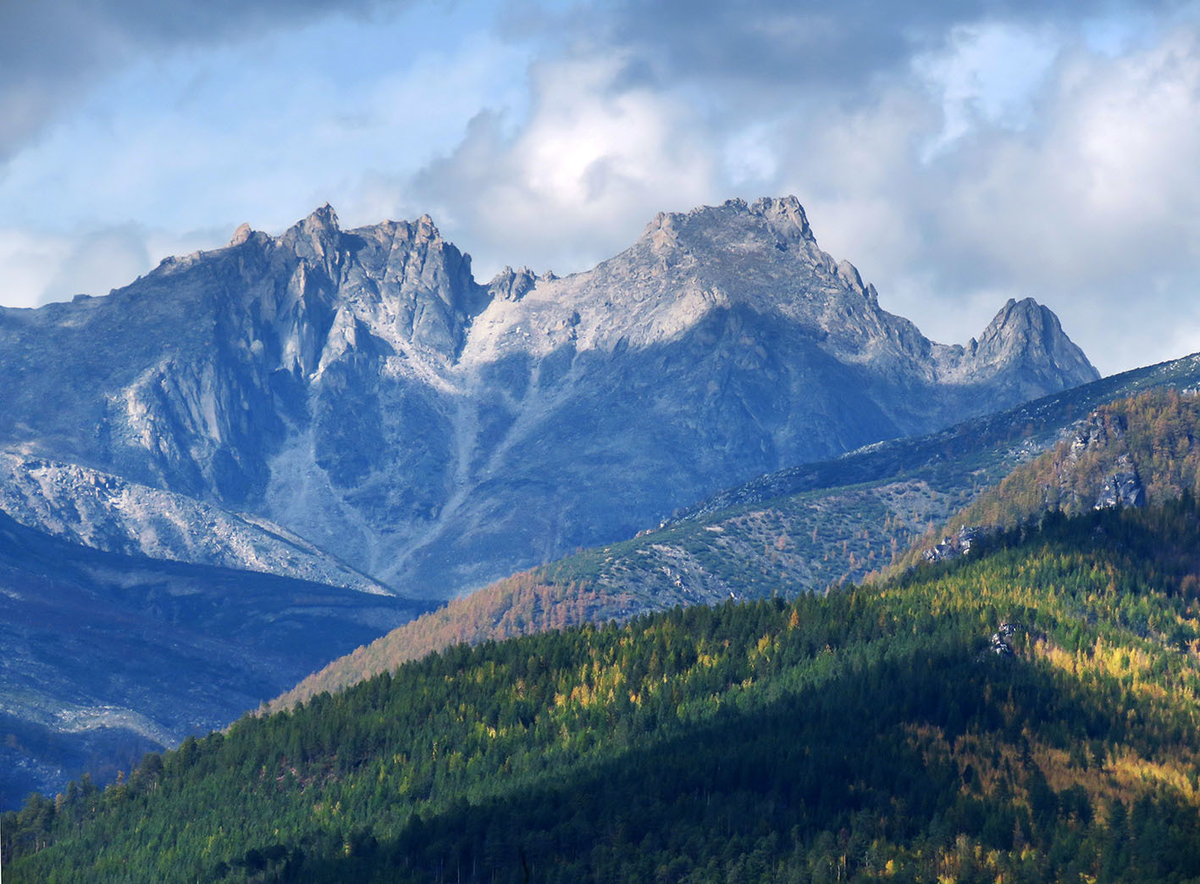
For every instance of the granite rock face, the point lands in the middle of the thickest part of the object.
(109, 513)
(1023, 348)
(1121, 488)
(362, 390)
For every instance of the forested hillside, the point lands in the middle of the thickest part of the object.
(1026, 713)
(1138, 450)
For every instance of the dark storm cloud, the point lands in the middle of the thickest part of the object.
(820, 45)
(52, 52)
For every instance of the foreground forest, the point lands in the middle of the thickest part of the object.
(895, 730)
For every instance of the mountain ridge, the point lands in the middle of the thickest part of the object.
(111, 514)
(1135, 451)
(362, 390)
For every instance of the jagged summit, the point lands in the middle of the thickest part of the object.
(782, 215)
(1025, 321)
(324, 221)
(511, 285)
(1024, 329)
(1026, 342)
(321, 218)
(362, 389)
(241, 235)
(321, 223)
(760, 255)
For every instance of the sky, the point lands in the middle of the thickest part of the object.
(958, 154)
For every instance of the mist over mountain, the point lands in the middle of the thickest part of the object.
(360, 389)
(107, 656)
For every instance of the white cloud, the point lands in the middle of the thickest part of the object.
(751, 154)
(593, 162)
(1082, 192)
(1110, 180)
(958, 154)
(38, 268)
(989, 74)
(263, 130)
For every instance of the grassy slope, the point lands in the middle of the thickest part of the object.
(845, 735)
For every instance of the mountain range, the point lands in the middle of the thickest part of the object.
(929, 666)
(251, 460)
(359, 389)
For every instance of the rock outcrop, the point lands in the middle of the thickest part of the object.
(1024, 347)
(1000, 642)
(953, 545)
(1123, 487)
(362, 390)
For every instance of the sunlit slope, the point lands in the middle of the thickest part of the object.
(1137, 450)
(803, 542)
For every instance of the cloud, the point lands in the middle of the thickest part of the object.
(263, 130)
(577, 179)
(1108, 182)
(1003, 155)
(1084, 194)
(839, 48)
(55, 51)
(1099, 206)
(987, 75)
(37, 268)
(959, 154)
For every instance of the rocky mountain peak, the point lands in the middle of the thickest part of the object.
(1029, 333)
(362, 389)
(317, 238)
(511, 285)
(1026, 344)
(781, 216)
(425, 230)
(320, 225)
(322, 218)
(784, 214)
(1026, 311)
(243, 233)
